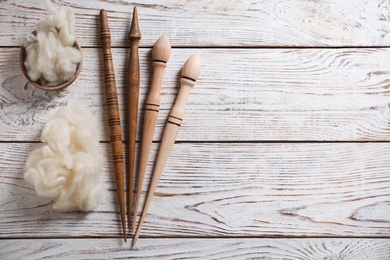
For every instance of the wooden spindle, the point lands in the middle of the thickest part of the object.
(190, 74)
(161, 53)
(114, 121)
(133, 80)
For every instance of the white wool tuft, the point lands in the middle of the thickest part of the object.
(68, 167)
(51, 58)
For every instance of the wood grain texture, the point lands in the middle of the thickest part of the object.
(298, 249)
(225, 190)
(221, 23)
(224, 194)
(260, 94)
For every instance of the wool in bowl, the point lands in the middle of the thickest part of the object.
(67, 168)
(51, 59)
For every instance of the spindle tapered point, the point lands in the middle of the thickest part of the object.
(134, 242)
(162, 49)
(103, 19)
(191, 68)
(134, 32)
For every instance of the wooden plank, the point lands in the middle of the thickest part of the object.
(319, 248)
(242, 94)
(222, 23)
(226, 189)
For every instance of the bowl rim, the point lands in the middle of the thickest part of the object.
(22, 55)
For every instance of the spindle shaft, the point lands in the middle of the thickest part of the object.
(190, 74)
(161, 53)
(114, 122)
(133, 81)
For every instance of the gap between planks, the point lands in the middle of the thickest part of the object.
(231, 142)
(195, 237)
(287, 47)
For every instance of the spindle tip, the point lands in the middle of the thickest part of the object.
(192, 67)
(162, 49)
(134, 32)
(103, 13)
(103, 21)
(133, 243)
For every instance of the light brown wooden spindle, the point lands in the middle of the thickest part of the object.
(114, 121)
(161, 53)
(189, 75)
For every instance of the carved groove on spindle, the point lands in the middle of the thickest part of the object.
(153, 110)
(105, 35)
(150, 104)
(185, 77)
(116, 138)
(176, 117)
(161, 61)
(174, 120)
(114, 121)
(117, 161)
(112, 101)
(117, 157)
(174, 123)
(152, 107)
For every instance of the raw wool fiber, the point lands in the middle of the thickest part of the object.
(51, 58)
(68, 166)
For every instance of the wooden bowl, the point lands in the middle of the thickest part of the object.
(22, 55)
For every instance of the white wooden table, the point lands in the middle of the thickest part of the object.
(284, 152)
